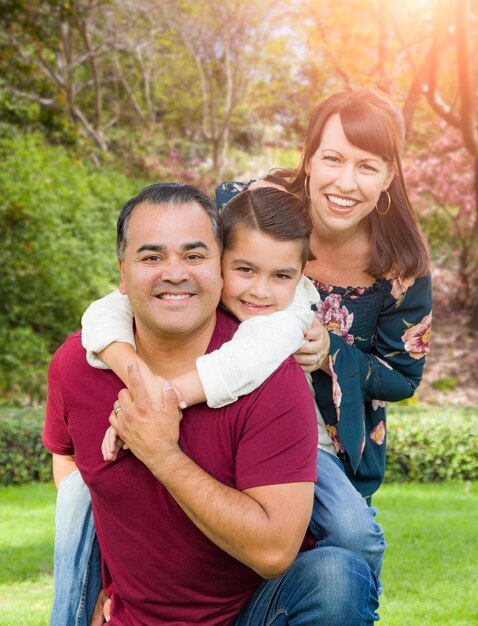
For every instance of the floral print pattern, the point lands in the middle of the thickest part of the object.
(416, 339)
(336, 391)
(400, 287)
(332, 432)
(378, 404)
(335, 317)
(378, 433)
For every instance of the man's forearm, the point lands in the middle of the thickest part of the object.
(246, 525)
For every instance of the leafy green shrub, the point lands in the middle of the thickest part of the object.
(57, 253)
(426, 445)
(23, 459)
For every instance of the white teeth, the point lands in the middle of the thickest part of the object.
(342, 201)
(171, 296)
(256, 306)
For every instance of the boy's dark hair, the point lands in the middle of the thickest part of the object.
(267, 210)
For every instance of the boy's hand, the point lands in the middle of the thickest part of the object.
(154, 386)
(112, 444)
(101, 613)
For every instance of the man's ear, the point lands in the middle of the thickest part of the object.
(122, 287)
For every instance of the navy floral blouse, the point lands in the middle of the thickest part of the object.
(379, 338)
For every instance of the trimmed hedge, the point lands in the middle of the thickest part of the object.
(23, 459)
(424, 445)
(432, 444)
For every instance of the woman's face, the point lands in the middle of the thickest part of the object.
(345, 181)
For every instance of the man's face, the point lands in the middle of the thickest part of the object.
(171, 270)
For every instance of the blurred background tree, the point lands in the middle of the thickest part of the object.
(100, 97)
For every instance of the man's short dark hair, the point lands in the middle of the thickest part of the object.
(166, 193)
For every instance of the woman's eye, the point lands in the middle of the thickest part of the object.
(369, 168)
(331, 159)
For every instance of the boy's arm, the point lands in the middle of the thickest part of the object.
(107, 320)
(241, 365)
(259, 346)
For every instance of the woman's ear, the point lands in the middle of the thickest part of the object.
(391, 171)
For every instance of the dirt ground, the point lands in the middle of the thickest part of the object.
(453, 358)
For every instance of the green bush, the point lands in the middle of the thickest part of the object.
(57, 253)
(424, 445)
(23, 459)
(432, 444)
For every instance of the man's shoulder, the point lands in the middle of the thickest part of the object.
(70, 358)
(71, 348)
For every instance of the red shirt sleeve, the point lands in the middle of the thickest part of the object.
(56, 437)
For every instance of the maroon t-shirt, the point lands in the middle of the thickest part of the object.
(158, 567)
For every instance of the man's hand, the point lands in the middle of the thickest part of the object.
(148, 428)
(314, 353)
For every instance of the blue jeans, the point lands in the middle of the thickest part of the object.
(341, 516)
(77, 556)
(323, 587)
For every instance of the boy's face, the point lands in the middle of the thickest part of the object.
(260, 274)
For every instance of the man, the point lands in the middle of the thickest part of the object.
(206, 505)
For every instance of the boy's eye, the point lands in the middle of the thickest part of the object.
(283, 276)
(245, 270)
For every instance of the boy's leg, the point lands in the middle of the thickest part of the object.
(342, 517)
(77, 575)
(328, 586)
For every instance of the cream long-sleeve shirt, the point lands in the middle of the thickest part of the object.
(258, 347)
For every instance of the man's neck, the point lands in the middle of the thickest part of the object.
(170, 355)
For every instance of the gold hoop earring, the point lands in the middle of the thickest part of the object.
(382, 213)
(306, 191)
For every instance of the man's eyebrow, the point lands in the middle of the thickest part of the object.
(195, 244)
(152, 247)
(159, 247)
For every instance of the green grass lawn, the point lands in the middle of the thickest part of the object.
(430, 573)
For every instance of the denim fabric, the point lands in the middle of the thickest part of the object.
(325, 586)
(77, 557)
(341, 516)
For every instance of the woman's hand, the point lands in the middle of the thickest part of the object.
(314, 353)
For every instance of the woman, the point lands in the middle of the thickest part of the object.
(370, 265)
